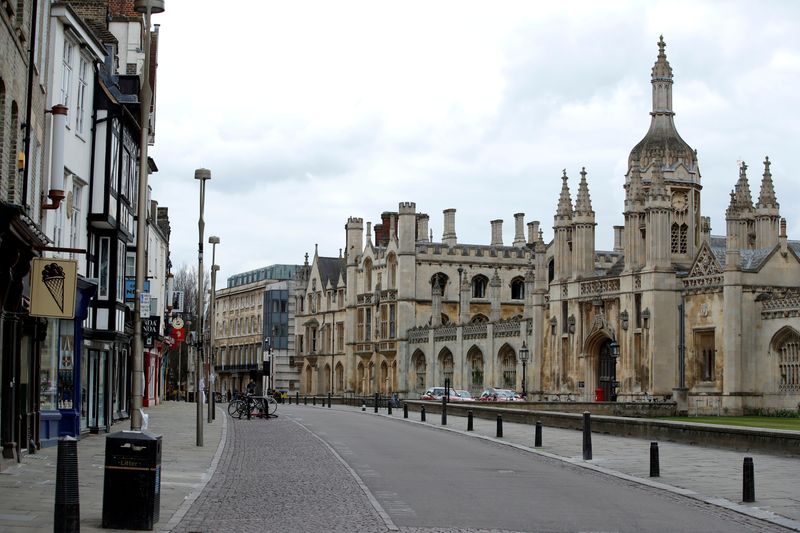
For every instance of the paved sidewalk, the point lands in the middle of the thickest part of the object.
(709, 474)
(28, 489)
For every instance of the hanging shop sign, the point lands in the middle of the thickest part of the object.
(53, 287)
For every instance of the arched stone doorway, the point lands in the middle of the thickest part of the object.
(607, 371)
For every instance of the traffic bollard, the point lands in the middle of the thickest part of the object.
(305, 400)
(329, 400)
(537, 438)
(499, 426)
(444, 410)
(655, 468)
(297, 397)
(67, 514)
(749, 481)
(422, 413)
(405, 410)
(314, 400)
(363, 406)
(376, 402)
(389, 408)
(587, 436)
(469, 420)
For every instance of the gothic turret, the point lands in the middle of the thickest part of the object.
(659, 215)
(633, 238)
(767, 225)
(563, 232)
(678, 165)
(583, 230)
(740, 215)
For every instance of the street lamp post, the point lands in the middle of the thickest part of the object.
(212, 320)
(614, 349)
(203, 175)
(147, 7)
(523, 356)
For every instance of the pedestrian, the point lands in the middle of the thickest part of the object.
(203, 388)
(251, 387)
(229, 396)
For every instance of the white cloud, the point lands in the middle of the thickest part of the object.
(310, 112)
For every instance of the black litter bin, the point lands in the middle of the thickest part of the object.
(132, 480)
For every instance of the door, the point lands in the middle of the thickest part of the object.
(607, 372)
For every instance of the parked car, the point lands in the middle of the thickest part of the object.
(500, 395)
(436, 393)
(464, 396)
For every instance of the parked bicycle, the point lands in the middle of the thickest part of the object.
(260, 406)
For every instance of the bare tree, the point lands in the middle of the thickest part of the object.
(186, 281)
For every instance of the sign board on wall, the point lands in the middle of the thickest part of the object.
(130, 288)
(53, 287)
(150, 327)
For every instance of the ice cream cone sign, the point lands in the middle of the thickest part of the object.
(53, 287)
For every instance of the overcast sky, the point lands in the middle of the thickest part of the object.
(310, 112)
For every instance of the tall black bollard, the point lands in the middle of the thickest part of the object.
(388, 407)
(537, 437)
(297, 397)
(587, 436)
(749, 481)
(499, 426)
(655, 467)
(290, 399)
(469, 420)
(329, 400)
(314, 400)
(405, 410)
(305, 400)
(376, 401)
(444, 410)
(422, 413)
(67, 515)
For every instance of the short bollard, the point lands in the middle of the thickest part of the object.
(363, 406)
(67, 515)
(329, 400)
(499, 426)
(305, 400)
(537, 437)
(290, 400)
(469, 420)
(655, 468)
(377, 398)
(297, 398)
(748, 481)
(405, 410)
(444, 410)
(314, 400)
(587, 436)
(389, 408)
(422, 413)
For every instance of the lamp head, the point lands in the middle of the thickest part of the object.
(202, 174)
(524, 353)
(213, 240)
(156, 6)
(614, 349)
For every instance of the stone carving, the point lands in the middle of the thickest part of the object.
(475, 331)
(782, 303)
(599, 286)
(706, 271)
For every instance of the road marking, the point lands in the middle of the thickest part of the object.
(372, 499)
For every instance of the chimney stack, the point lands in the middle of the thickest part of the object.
(533, 232)
(422, 227)
(449, 234)
(497, 232)
(519, 230)
(618, 230)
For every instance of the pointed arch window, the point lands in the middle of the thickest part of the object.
(683, 240)
(479, 284)
(787, 346)
(674, 238)
(368, 275)
(518, 289)
(508, 362)
(448, 366)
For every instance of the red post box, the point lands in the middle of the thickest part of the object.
(598, 395)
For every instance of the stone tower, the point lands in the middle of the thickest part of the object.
(663, 150)
(562, 227)
(583, 231)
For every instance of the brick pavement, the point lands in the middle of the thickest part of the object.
(28, 489)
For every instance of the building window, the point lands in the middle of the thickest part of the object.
(447, 368)
(66, 74)
(788, 348)
(705, 350)
(360, 325)
(340, 336)
(508, 363)
(420, 369)
(479, 284)
(517, 289)
(637, 311)
(103, 273)
(367, 275)
(392, 321)
(367, 324)
(384, 332)
(392, 267)
(80, 104)
(683, 239)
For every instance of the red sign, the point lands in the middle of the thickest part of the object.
(179, 334)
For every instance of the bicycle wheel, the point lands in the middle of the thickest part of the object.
(272, 405)
(233, 407)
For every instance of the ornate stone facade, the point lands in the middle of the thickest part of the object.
(671, 313)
